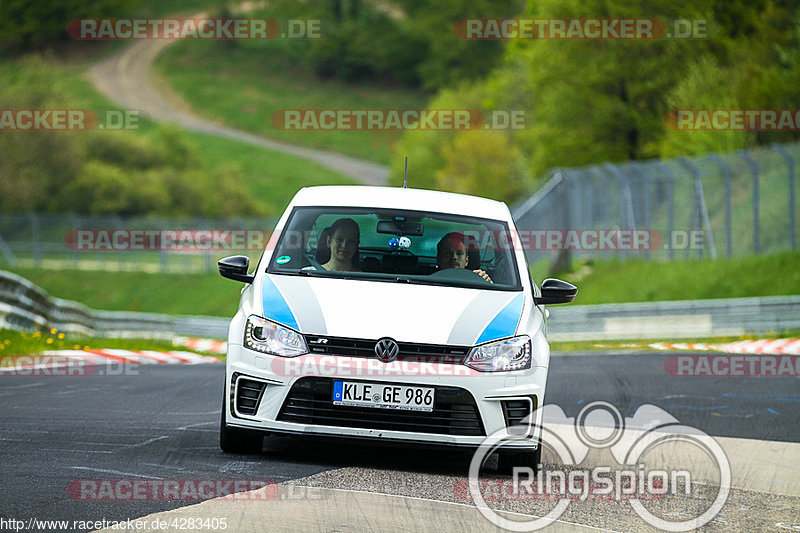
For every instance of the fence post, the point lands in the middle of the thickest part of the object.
(562, 262)
(640, 174)
(6, 252)
(754, 168)
(726, 172)
(626, 213)
(702, 207)
(605, 206)
(792, 220)
(36, 245)
(671, 208)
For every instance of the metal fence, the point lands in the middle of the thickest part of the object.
(35, 240)
(717, 205)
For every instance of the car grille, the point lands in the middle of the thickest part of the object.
(248, 395)
(439, 353)
(310, 401)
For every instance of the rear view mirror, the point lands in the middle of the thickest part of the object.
(556, 291)
(401, 227)
(235, 267)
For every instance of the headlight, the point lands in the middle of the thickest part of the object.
(268, 337)
(501, 356)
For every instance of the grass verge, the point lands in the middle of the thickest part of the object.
(176, 294)
(648, 281)
(643, 345)
(243, 84)
(13, 343)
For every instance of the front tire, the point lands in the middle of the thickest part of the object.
(233, 440)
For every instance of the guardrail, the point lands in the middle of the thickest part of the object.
(675, 319)
(24, 306)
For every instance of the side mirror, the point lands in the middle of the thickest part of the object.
(556, 291)
(235, 267)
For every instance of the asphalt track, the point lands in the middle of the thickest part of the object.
(162, 423)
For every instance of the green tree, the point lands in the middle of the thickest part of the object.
(26, 25)
(448, 59)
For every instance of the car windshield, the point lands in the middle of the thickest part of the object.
(397, 245)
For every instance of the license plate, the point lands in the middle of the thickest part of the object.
(383, 396)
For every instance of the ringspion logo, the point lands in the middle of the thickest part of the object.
(645, 476)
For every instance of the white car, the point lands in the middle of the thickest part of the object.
(388, 313)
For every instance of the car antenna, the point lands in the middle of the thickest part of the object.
(405, 175)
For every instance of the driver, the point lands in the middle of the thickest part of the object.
(452, 253)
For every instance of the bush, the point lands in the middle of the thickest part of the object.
(484, 163)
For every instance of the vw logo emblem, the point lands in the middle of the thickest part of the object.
(386, 349)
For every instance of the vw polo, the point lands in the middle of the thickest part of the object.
(395, 314)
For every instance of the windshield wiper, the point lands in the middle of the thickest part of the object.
(299, 273)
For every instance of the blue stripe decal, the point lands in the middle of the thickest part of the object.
(505, 323)
(275, 306)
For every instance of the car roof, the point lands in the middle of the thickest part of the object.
(401, 198)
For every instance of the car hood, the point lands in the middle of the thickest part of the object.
(405, 312)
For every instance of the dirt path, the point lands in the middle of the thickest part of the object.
(126, 79)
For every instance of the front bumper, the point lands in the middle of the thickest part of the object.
(291, 398)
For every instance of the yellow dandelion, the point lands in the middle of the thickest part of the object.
(76, 347)
(37, 334)
(85, 347)
(53, 331)
(60, 335)
(49, 341)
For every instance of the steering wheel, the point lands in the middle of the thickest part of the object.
(458, 274)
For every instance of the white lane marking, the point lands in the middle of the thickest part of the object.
(26, 386)
(71, 451)
(148, 441)
(184, 428)
(216, 412)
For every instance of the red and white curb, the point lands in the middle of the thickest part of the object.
(58, 358)
(201, 345)
(762, 346)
